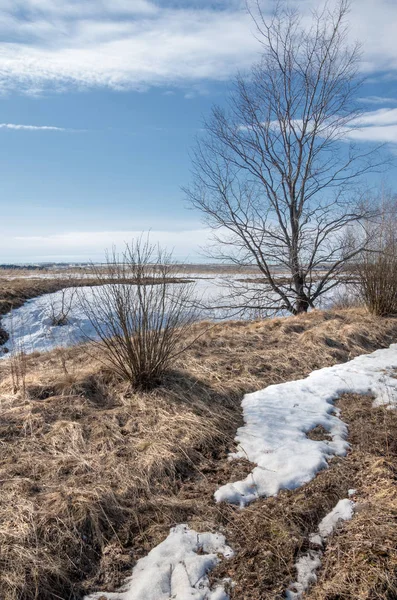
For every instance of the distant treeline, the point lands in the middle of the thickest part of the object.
(41, 266)
(23, 267)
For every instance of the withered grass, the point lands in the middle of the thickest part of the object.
(93, 474)
(360, 562)
(360, 558)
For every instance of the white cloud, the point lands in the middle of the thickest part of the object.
(383, 116)
(31, 127)
(378, 126)
(133, 44)
(375, 134)
(385, 134)
(91, 245)
(74, 43)
(374, 24)
(77, 8)
(377, 100)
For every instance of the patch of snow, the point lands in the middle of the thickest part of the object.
(343, 511)
(306, 567)
(307, 564)
(176, 569)
(316, 539)
(30, 328)
(278, 418)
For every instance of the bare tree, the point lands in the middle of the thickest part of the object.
(141, 316)
(274, 174)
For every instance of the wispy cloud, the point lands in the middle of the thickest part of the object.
(382, 116)
(31, 127)
(378, 126)
(120, 45)
(135, 44)
(86, 245)
(376, 134)
(372, 126)
(377, 100)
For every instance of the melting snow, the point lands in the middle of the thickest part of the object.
(30, 328)
(177, 568)
(343, 511)
(278, 417)
(309, 562)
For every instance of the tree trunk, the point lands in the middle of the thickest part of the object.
(302, 301)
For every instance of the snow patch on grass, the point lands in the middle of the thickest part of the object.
(278, 418)
(309, 562)
(343, 511)
(177, 568)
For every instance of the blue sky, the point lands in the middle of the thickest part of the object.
(100, 101)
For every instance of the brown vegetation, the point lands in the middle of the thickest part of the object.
(14, 292)
(375, 271)
(360, 559)
(360, 562)
(93, 474)
(377, 282)
(140, 330)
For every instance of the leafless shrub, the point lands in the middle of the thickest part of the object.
(60, 304)
(142, 318)
(378, 282)
(346, 297)
(17, 363)
(377, 267)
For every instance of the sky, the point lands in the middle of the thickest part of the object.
(101, 101)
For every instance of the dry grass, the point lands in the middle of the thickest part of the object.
(183, 268)
(360, 563)
(14, 292)
(94, 475)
